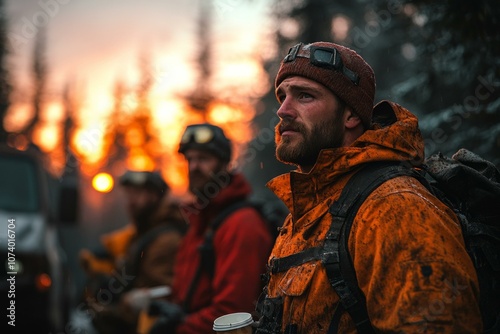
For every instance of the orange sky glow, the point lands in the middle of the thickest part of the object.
(91, 46)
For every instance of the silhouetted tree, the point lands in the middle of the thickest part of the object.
(142, 117)
(39, 81)
(5, 83)
(202, 94)
(71, 106)
(131, 116)
(116, 130)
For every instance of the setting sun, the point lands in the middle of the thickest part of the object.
(103, 182)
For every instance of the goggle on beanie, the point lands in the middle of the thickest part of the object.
(206, 137)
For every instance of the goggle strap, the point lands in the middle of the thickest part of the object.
(299, 51)
(294, 52)
(351, 75)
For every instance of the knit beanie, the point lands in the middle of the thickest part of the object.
(350, 78)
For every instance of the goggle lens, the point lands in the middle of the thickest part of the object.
(198, 134)
(325, 57)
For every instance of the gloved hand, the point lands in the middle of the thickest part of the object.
(169, 316)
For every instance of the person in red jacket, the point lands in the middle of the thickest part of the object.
(228, 279)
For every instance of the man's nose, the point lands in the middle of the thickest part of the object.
(286, 110)
(193, 165)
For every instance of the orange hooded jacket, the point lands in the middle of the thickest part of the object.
(407, 248)
(115, 244)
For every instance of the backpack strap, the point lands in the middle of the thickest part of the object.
(206, 249)
(338, 262)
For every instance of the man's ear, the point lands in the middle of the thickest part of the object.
(351, 119)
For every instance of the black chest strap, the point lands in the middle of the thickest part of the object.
(207, 252)
(282, 264)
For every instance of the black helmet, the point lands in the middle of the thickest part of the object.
(152, 180)
(206, 137)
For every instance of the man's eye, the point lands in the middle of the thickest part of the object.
(305, 96)
(281, 98)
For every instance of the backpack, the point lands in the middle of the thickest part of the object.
(272, 216)
(468, 184)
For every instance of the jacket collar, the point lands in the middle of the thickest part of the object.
(201, 212)
(394, 137)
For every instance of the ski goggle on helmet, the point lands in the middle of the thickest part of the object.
(206, 137)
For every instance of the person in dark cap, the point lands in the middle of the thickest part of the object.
(142, 252)
(143, 192)
(388, 267)
(225, 250)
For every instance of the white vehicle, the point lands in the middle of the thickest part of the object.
(34, 271)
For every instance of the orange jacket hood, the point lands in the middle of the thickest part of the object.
(395, 136)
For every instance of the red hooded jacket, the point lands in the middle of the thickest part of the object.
(242, 245)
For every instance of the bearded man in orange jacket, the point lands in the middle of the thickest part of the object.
(406, 246)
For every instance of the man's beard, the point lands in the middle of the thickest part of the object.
(304, 151)
(198, 180)
(142, 216)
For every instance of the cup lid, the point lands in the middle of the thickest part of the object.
(160, 291)
(232, 321)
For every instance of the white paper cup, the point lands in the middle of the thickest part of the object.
(160, 291)
(240, 323)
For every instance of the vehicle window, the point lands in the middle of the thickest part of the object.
(18, 185)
